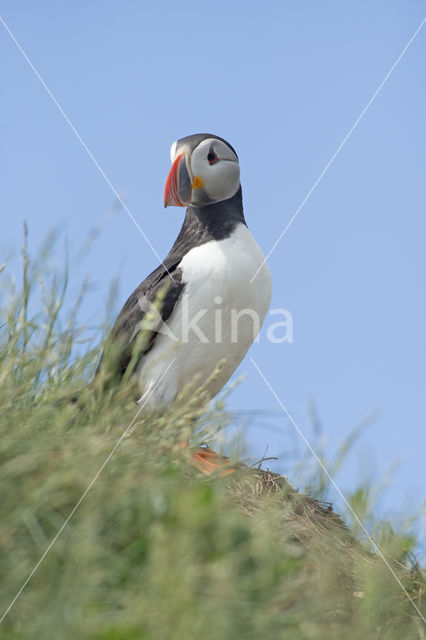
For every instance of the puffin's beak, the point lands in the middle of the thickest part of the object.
(178, 185)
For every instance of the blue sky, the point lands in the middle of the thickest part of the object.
(283, 82)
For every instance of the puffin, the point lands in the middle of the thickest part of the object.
(190, 323)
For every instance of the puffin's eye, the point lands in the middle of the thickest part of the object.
(212, 156)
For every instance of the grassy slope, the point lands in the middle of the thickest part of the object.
(156, 550)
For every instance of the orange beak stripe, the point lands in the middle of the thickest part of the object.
(178, 184)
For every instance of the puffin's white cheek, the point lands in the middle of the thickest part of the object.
(222, 181)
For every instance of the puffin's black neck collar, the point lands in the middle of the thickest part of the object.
(220, 217)
(213, 222)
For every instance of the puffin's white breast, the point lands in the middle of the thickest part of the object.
(216, 318)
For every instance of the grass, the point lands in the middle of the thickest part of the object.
(157, 550)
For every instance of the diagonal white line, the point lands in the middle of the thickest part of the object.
(85, 147)
(90, 485)
(335, 154)
(333, 482)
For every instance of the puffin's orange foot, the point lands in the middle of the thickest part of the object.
(208, 461)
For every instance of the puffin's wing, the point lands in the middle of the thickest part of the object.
(148, 307)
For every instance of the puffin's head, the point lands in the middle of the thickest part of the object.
(205, 170)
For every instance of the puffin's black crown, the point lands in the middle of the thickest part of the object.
(194, 140)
